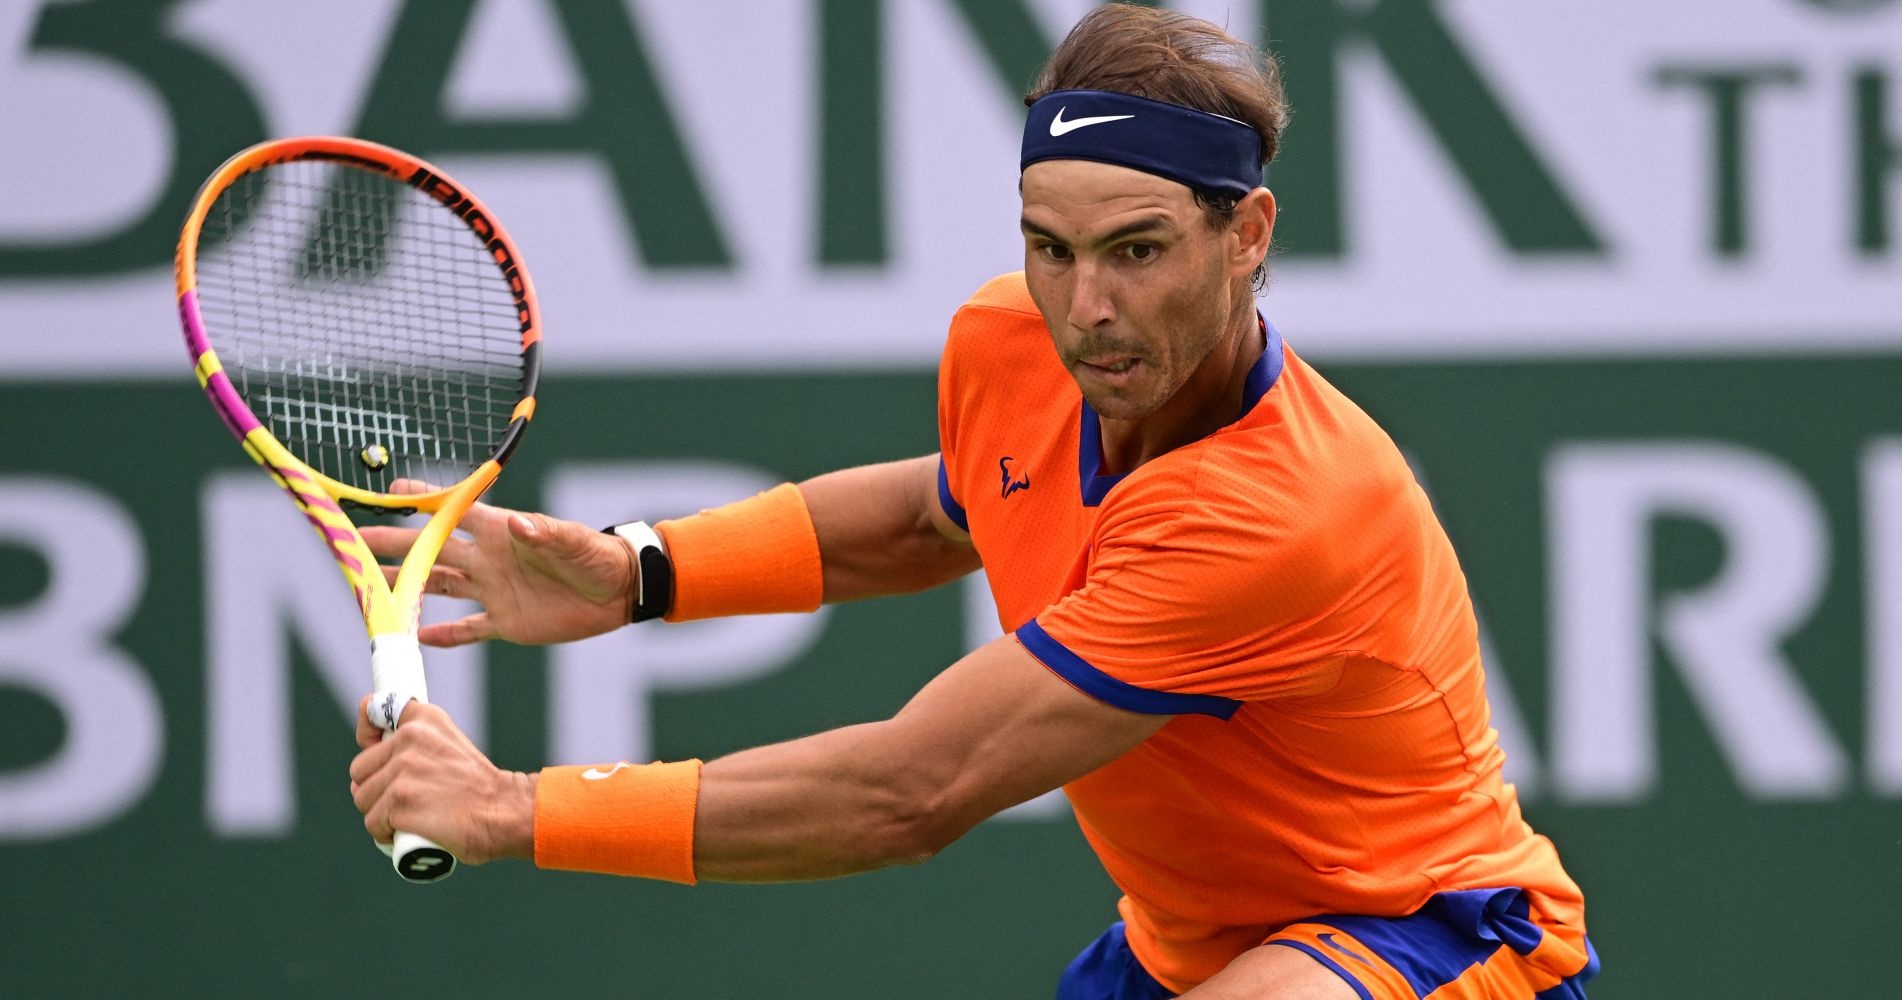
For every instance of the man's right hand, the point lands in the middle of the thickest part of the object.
(538, 579)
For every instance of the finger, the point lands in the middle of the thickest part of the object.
(447, 581)
(554, 536)
(419, 711)
(365, 793)
(389, 574)
(483, 517)
(528, 529)
(376, 820)
(389, 541)
(461, 632)
(369, 734)
(371, 761)
(408, 487)
(458, 553)
(551, 533)
(370, 770)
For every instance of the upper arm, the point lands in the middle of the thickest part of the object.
(879, 530)
(997, 728)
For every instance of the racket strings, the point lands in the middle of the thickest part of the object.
(367, 327)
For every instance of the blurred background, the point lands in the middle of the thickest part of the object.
(1622, 278)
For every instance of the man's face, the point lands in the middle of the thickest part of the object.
(1131, 280)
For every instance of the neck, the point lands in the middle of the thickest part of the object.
(1210, 400)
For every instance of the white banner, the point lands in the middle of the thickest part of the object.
(1506, 178)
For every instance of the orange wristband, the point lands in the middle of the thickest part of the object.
(621, 820)
(758, 556)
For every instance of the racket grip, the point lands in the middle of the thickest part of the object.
(397, 665)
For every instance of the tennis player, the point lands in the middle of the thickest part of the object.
(1238, 637)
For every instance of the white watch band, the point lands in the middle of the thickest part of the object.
(654, 585)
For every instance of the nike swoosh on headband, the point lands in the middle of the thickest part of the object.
(1058, 126)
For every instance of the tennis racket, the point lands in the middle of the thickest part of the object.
(359, 319)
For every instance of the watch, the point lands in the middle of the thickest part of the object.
(654, 587)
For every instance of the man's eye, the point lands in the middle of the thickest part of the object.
(1140, 251)
(1055, 251)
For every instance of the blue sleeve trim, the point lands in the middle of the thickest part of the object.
(1109, 690)
(952, 508)
(1315, 953)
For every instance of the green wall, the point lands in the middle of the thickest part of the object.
(1698, 887)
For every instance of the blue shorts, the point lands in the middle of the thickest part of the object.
(1108, 970)
(1479, 944)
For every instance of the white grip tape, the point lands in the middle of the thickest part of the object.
(386, 707)
(396, 668)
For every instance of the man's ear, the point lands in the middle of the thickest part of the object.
(1252, 231)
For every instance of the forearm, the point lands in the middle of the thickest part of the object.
(876, 532)
(994, 729)
(823, 806)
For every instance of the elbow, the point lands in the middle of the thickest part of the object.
(914, 796)
(912, 828)
(932, 561)
(908, 854)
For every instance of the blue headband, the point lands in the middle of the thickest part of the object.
(1204, 151)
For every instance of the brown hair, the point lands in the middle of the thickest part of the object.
(1168, 56)
(1165, 55)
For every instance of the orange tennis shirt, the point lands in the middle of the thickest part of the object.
(1283, 588)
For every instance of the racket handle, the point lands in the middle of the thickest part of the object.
(419, 859)
(396, 662)
(415, 857)
(422, 865)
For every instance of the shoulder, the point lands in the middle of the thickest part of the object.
(1004, 293)
(997, 359)
(1314, 481)
(998, 327)
(1336, 456)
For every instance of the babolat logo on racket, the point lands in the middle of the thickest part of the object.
(468, 211)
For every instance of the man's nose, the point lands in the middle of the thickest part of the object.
(1091, 303)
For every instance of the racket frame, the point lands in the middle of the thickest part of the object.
(390, 612)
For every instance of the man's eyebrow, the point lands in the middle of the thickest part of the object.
(1134, 227)
(1033, 229)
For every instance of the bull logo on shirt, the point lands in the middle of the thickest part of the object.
(1012, 483)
